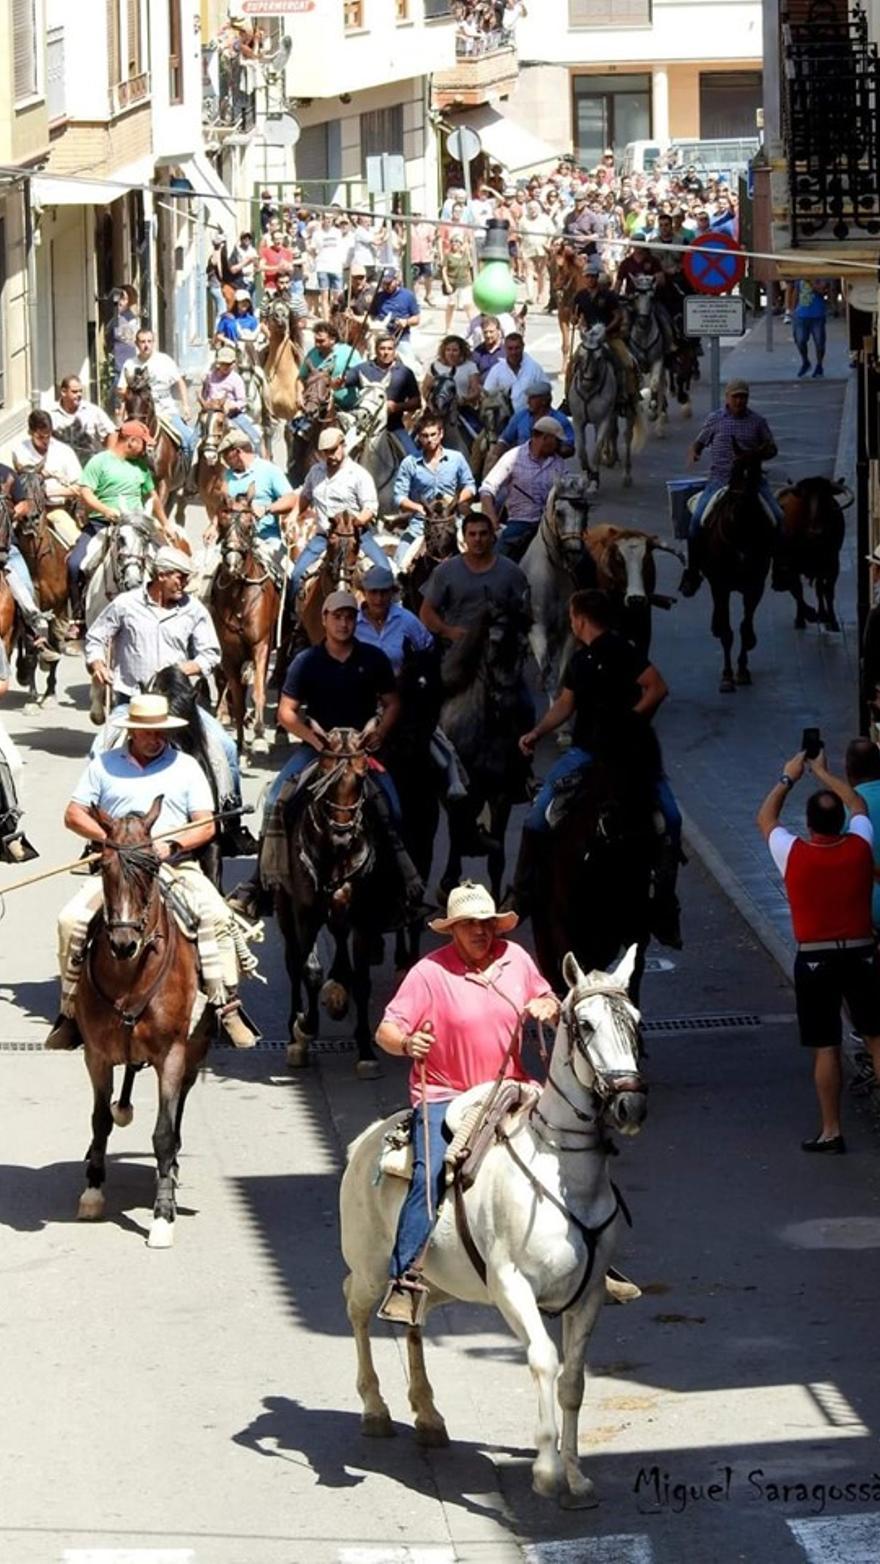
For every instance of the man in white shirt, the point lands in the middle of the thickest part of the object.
(56, 461)
(81, 424)
(166, 382)
(515, 372)
(335, 484)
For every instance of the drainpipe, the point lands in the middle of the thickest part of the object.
(31, 293)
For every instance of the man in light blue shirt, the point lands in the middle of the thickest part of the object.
(436, 473)
(519, 428)
(273, 494)
(383, 623)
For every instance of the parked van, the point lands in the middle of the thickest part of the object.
(725, 159)
(640, 157)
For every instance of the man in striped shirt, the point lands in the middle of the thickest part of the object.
(730, 431)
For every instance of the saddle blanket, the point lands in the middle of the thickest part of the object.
(462, 1117)
(691, 504)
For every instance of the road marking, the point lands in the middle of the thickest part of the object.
(839, 1539)
(128, 1556)
(396, 1555)
(592, 1550)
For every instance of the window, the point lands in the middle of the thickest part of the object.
(114, 50)
(609, 13)
(2, 311)
(401, 10)
(175, 53)
(610, 111)
(728, 101)
(437, 8)
(134, 50)
(24, 51)
(382, 131)
(353, 15)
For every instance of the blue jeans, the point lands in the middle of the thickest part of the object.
(16, 563)
(186, 432)
(247, 426)
(711, 488)
(804, 330)
(576, 759)
(302, 756)
(414, 1227)
(512, 534)
(315, 548)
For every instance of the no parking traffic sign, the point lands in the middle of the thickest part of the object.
(714, 263)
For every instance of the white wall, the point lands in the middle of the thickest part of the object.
(326, 61)
(85, 56)
(177, 127)
(681, 30)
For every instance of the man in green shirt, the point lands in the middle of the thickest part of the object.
(331, 357)
(115, 480)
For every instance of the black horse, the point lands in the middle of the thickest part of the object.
(485, 709)
(736, 547)
(407, 754)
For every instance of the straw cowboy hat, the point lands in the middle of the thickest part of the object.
(473, 901)
(150, 712)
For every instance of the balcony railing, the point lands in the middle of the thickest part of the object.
(475, 77)
(56, 90)
(471, 47)
(229, 104)
(125, 94)
(831, 103)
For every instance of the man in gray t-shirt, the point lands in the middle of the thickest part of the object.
(457, 590)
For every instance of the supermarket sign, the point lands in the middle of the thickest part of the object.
(277, 7)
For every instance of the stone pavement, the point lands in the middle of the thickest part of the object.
(723, 752)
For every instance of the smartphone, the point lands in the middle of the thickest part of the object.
(811, 743)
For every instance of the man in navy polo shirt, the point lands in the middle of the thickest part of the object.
(398, 309)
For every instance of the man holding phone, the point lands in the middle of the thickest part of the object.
(829, 880)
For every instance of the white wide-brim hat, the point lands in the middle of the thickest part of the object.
(150, 712)
(473, 901)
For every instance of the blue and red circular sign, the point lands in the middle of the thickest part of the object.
(714, 263)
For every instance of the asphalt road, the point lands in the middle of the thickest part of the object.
(198, 1406)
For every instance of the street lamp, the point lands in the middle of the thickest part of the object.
(494, 286)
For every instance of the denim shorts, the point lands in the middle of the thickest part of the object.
(329, 282)
(422, 269)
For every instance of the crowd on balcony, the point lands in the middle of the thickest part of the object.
(485, 25)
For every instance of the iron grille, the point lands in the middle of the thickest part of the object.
(831, 122)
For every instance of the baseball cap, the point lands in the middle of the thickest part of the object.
(335, 600)
(226, 355)
(539, 388)
(548, 426)
(737, 388)
(328, 439)
(133, 429)
(242, 295)
(235, 440)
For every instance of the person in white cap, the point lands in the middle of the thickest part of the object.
(238, 324)
(456, 1016)
(154, 626)
(127, 781)
(335, 483)
(223, 389)
(519, 484)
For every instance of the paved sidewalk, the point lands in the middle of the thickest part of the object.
(723, 751)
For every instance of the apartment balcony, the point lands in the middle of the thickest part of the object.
(828, 194)
(128, 94)
(56, 88)
(229, 102)
(486, 68)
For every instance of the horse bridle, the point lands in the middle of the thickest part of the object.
(144, 860)
(549, 532)
(235, 544)
(605, 1085)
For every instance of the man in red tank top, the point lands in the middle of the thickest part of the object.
(829, 879)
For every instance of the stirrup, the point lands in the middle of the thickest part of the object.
(405, 1301)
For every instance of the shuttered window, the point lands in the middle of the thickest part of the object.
(134, 51)
(114, 56)
(175, 53)
(24, 48)
(609, 13)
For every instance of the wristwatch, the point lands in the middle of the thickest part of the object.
(786, 780)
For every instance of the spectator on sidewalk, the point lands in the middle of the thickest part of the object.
(808, 324)
(863, 774)
(829, 883)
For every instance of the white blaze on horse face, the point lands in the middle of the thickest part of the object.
(634, 553)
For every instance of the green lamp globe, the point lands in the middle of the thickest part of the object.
(495, 288)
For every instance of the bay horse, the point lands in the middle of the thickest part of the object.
(648, 347)
(625, 570)
(279, 357)
(336, 872)
(134, 1006)
(682, 366)
(533, 1233)
(566, 280)
(244, 603)
(7, 601)
(551, 565)
(486, 706)
(441, 402)
(439, 541)
(45, 538)
(212, 427)
(316, 412)
(735, 550)
(166, 458)
(496, 411)
(593, 399)
(335, 569)
(811, 538)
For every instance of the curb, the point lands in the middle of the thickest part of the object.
(761, 926)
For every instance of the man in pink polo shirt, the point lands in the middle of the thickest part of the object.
(454, 1015)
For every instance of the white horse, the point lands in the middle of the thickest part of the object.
(117, 560)
(542, 1215)
(593, 396)
(648, 347)
(550, 563)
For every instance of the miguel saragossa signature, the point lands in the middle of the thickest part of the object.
(657, 1490)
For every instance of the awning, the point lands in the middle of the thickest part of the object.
(513, 146)
(49, 190)
(209, 187)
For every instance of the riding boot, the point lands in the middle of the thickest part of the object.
(690, 581)
(619, 1289)
(520, 896)
(238, 1027)
(65, 1033)
(249, 899)
(413, 886)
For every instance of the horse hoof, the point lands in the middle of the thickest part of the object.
(367, 1070)
(579, 1495)
(432, 1436)
(122, 1116)
(260, 746)
(334, 998)
(31, 709)
(161, 1234)
(378, 1425)
(548, 1483)
(727, 687)
(301, 1034)
(91, 1206)
(743, 676)
(297, 1055)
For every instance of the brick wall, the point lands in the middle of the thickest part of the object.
(97, 149)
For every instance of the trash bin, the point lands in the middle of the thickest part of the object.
(680, 491)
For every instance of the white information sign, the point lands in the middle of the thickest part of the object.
(707, 315)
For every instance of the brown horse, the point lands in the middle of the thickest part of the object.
(134, 1006)
(440, 543)
(212, 427)
(566, 279)
(244, 606)
(317, 412)
(169, 464)
(280, 361)
(45, 538)
(735, 549)
(7, 601)
(336, 569)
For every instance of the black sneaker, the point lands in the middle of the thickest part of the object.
(835, 1147)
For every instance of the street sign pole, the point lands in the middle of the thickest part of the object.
(714, 263)
(715, 370)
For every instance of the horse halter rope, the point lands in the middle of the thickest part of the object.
(553, 539)
(135, 861)
(237, 547)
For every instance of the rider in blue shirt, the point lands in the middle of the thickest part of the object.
(538, 405)
(435, 473)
